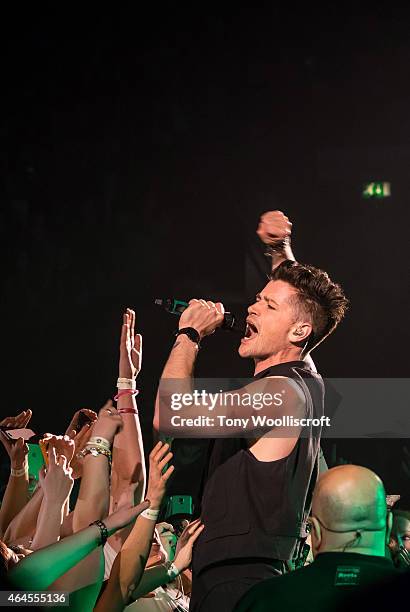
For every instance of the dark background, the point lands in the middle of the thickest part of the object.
(138, 150)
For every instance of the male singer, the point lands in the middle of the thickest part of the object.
(258, 488)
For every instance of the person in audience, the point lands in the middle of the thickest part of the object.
(349, 529)
(16, 494)
(128, 478)
(400, 538)
(129, 564)
(159, 590)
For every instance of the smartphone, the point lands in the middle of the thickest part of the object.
(83, 419)
(15, 434)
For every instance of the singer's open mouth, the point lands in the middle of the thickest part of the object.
(250, 332)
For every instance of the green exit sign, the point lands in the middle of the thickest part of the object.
(376, 190)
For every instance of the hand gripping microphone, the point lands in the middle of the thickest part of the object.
(177, 307)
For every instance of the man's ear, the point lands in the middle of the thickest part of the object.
(300, 332)
(315, 535)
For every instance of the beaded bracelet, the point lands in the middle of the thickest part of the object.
(17, 473)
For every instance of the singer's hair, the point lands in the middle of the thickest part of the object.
(317, 297)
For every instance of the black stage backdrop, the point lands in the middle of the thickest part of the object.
(138, 151)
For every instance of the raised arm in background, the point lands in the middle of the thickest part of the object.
(93, 497)
(57, 484)
(130, 563)
(85, 579)
(128, 464)
(157, 576)
(16, 494)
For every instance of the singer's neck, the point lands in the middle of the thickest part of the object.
(281, 357)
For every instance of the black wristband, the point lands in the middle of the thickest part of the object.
(103, 531)
(191, 333)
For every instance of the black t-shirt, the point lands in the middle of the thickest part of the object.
(325, 585)
(254, 508)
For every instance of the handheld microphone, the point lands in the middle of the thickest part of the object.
(177, 307)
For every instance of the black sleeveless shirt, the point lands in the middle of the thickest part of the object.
(257, 509)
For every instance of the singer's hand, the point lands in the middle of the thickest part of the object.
(203, 316)
(274, 228)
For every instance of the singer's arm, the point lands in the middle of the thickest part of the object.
(180, 365)
(274, 230)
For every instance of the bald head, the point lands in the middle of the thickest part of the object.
(350, 497)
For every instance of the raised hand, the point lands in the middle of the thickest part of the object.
(183, 553)
(108, 422)
(158, 458)
(130, 347)
(274, 228)
(74, 428)
(80, 440)
(124, 516)
(63, 445)
(58, 481)
(17, 422)
(17, 450)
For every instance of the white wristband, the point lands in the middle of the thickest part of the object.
(98, 441)
(126, 383)
(172, 571)
(151, 515)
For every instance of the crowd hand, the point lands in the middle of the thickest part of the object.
(203, 316)
(124, 516)
(157, 481)
(80, 440)
(168, 538)
(274, 228)
(108, 422)
(17, 422)
(63, 445)
(186, 541)
(17, 451)
(130, 347)
(72, 429)
(157, 555)
(57, 482)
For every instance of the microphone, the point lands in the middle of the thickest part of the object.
(177, 307)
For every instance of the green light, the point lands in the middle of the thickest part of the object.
(376, 190)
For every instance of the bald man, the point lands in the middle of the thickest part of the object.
(349, 532)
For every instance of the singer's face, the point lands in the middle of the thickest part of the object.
(269, 322)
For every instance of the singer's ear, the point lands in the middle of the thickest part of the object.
(300, 332)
